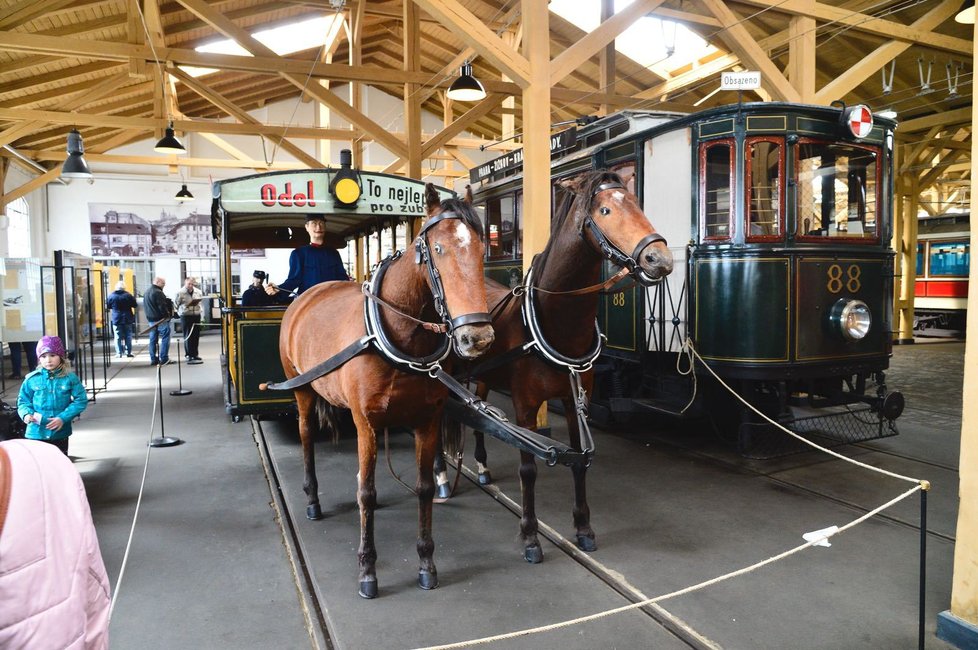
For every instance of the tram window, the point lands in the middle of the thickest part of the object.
(837, 190)
(716, 166)
(501, 228)
(949, 259)
(920, 259)
(764, 183)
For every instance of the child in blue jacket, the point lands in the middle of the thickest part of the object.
(51, 396)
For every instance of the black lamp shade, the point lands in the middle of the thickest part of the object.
(169, 143)
(466, 88)
(75, 165)
(967, 14)
(184, 194)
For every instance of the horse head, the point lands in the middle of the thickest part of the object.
(451, 241)
(609, 218)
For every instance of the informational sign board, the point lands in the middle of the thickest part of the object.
(746, 80)
(307, 192)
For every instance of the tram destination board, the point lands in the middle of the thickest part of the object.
(514, 159)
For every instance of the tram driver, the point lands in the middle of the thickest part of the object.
(313, 263)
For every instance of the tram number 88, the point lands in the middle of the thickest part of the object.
(618, 299)
(850, 281)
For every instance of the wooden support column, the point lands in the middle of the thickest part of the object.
(536, 140)
(801, 56)
(606, 60)
(909, 206)
(963, 616)
(412, 105)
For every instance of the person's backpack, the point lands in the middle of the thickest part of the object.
(11, 425)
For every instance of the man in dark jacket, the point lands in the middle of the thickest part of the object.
(311, 264)
(159, 309)
(123, 306)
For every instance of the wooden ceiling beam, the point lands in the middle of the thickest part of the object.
(468, 28)
(27, 10)
(594, 41)
(889, 29)
(871, 64)
(744, 46)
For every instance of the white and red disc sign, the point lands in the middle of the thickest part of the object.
(860, 120)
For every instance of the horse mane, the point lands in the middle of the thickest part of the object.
(467, 212)
(568, 198)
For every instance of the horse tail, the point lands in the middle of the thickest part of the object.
(329, 418)
(451, 436)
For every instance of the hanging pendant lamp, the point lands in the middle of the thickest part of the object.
(967, 14)
(466, 88)
(169, 143)
(75, 165)
(184, 194)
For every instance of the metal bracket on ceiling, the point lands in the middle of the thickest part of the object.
(925, 87)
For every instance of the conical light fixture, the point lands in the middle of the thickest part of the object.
(75, 165)
(967, 14)
(169, 143)
(466, 88)
(184, 194)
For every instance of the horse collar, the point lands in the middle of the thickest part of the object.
(547, 351)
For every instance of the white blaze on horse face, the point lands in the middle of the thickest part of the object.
(463, 235)
(618, 196)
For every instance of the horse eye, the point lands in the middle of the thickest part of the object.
(605, 211)
(438, 249)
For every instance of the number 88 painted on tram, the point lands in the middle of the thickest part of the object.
(779, 218)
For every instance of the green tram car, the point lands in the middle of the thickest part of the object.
(779, 220)
(268, 211)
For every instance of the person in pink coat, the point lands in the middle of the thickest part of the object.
(54, 592)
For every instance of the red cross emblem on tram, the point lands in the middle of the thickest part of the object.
(860, 121)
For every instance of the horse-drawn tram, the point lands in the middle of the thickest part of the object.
(268, 210)
(778, 218)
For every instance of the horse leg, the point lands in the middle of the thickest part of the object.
(443, 490)
(367, 500)
(482, 461)
(582, 512)
(308, 425)
(532, 551)
(425, 444)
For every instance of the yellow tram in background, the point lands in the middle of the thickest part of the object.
(367, 216)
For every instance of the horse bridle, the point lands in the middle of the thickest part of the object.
(423, 254)
(592, 233)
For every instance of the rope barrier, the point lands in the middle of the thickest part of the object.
(139, 499)
(679, 592)
(690, 353)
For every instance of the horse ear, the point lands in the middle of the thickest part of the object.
(571, 184)
(431, 200)
(468, 195)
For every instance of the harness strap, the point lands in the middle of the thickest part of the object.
(326, 367)
(602, 286)
(439, 328)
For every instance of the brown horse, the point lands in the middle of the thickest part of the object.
(597, 217)
(443, 276)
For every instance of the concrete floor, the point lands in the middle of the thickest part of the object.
(209, 567)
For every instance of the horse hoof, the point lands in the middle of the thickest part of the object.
(533, 554)
(443, 492)
(485, 478)
(586, 544)
(314, 512)
(427, 580)
(368, 589)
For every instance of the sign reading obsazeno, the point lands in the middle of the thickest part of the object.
(558, 142)
(308, 192)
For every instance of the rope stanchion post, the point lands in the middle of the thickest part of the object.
(924, 488)
(162, 440)
(180, 392)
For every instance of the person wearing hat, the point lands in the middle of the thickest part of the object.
(313, 263)
(123, 306)
(51, 396)
(255, 295)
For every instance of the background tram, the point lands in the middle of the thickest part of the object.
(268, 211)
(941, 287)
(779, 220)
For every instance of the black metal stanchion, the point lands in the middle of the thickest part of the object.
(180, 392)
(162, 440)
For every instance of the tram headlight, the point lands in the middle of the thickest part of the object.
(851, 318)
